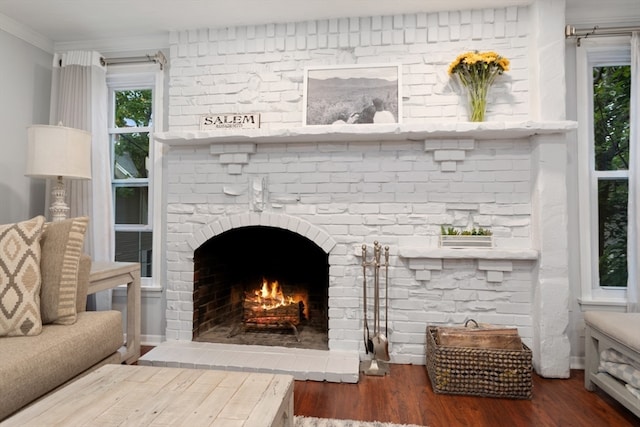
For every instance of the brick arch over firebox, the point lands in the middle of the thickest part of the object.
(266, 219)
(235, 256)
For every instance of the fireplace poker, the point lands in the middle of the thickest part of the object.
(368, 344)
(386, 294)
(380, 342)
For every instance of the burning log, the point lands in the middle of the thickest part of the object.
(253, 312)
(268, 308)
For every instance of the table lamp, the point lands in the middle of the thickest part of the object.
(58, 152)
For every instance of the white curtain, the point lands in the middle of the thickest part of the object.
(79, 100)
(633, 233)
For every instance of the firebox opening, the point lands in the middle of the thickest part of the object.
(261, 285)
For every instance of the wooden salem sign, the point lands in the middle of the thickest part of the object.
(230, 121)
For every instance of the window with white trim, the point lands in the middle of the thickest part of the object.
(604, 84)
(133, 110)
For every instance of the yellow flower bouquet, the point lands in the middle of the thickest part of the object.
(477, 71)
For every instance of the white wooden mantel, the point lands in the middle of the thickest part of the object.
(379, 132)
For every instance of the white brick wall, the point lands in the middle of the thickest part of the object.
(365, 200)
(261, 68)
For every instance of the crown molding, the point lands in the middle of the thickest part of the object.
(589, 13)
(25, 33)
(584, 23)
(117, 46)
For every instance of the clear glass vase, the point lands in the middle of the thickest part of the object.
(477, 98)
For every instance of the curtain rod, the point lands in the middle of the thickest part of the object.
(571, 32)
(158, 58)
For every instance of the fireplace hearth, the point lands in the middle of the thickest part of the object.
(263, 286)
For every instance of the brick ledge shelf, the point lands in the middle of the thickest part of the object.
(468, 253)
(394, 132)
(494, 262)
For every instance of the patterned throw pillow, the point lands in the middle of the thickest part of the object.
(62, 243)
(20, 278)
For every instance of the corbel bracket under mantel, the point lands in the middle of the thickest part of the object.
(233, 156)
(494, 262)
(448, 152)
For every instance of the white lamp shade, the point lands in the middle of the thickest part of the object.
(54, 151)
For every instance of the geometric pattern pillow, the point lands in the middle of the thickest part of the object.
(20, 278)
(62, 243)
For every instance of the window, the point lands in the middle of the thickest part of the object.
(611, 102)
(129, 139)
(604, 89)
(133, 109)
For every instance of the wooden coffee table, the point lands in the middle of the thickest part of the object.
(155, 396)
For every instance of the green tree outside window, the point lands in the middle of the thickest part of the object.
(611, 105)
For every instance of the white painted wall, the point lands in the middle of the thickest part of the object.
(25, 87)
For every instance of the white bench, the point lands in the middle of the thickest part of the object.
(618, 331)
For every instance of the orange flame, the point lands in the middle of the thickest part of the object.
(270, 296)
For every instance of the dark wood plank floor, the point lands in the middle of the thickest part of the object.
(405, 396)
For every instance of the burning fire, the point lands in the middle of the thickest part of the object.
(270, 296)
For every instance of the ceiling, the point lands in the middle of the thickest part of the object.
(63, 21)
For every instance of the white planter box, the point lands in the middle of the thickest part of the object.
(460, 241)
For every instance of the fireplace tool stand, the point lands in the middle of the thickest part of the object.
(378, 344)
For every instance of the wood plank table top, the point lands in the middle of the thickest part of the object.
(121, 395)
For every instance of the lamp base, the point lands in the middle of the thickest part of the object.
(59, 209)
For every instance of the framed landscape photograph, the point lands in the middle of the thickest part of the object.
(353, 94)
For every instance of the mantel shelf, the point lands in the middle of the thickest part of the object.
(468, 253)
(347, 133)
(425, 259)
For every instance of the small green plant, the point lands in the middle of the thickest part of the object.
(451, 231)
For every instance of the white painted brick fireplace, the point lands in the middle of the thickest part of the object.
(397, 184)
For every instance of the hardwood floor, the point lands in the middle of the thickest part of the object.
(405, 396)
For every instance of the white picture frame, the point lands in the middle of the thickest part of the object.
(352, 95)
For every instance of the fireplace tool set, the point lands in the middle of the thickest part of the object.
(378, 343)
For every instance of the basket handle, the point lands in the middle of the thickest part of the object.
(466, 324)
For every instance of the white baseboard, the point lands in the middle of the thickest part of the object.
(152, 340)
(576, 362)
